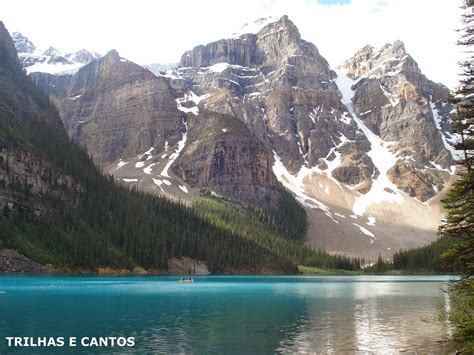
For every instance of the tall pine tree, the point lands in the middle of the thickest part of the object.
(460, 200)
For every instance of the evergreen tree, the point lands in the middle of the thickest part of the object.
(460, 200)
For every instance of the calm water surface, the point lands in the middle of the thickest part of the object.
(229, 314)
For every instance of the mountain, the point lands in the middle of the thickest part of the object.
(161, 69)
(396, 102)
(22, 43)
(137, 125)
(363, 147)
(58, 209)
(50, 60)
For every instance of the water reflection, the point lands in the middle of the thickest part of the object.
(380, 317)
(230, 314)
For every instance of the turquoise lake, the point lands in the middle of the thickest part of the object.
(228, 314)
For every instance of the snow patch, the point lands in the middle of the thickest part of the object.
(147, 153)
(190, 96)
(366, 232)
(218, 68)
(255, 26)
(295, 185)
(455, 154)
(130, 180)
(147, 170)
(382, 158)
(55, 69)
(183, 188)
(371, 221)
(121, 163)
(178, 150)
(216, 194)
(158, 182)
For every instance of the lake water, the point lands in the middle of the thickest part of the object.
(228, 314)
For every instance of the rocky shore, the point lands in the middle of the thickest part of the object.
(11, 261)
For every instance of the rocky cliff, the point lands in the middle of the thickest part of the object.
(116, 108)
(224, 157)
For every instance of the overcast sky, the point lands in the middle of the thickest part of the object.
(147, 31)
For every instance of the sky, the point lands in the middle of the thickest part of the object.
(160, 31)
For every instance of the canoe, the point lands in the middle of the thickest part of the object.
(186, 280)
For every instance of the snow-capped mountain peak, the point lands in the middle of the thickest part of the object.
(51, 60)
(83, 56)
(254, 27)
(22, 43)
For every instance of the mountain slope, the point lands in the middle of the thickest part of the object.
(57, 208)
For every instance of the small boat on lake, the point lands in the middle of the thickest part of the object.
(186, 279)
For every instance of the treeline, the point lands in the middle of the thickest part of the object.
(288, 219)
(237, 219)
(427, 258)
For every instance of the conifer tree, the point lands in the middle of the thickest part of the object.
(460, 200)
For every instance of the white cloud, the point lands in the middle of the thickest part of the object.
(160, 31)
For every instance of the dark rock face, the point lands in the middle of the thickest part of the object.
(7, 42)
(227, 159)
(26, 179)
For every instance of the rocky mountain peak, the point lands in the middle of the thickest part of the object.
(390, 59)
(82, 56)
(254, 27)
(272, 44)
(22, 43)
(111, 57)
(52, 52)
(284, 24)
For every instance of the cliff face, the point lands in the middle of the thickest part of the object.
(225, 158)
(115, 108)
(29, 182)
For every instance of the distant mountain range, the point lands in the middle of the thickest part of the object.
(362, 145)
(49, 60)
